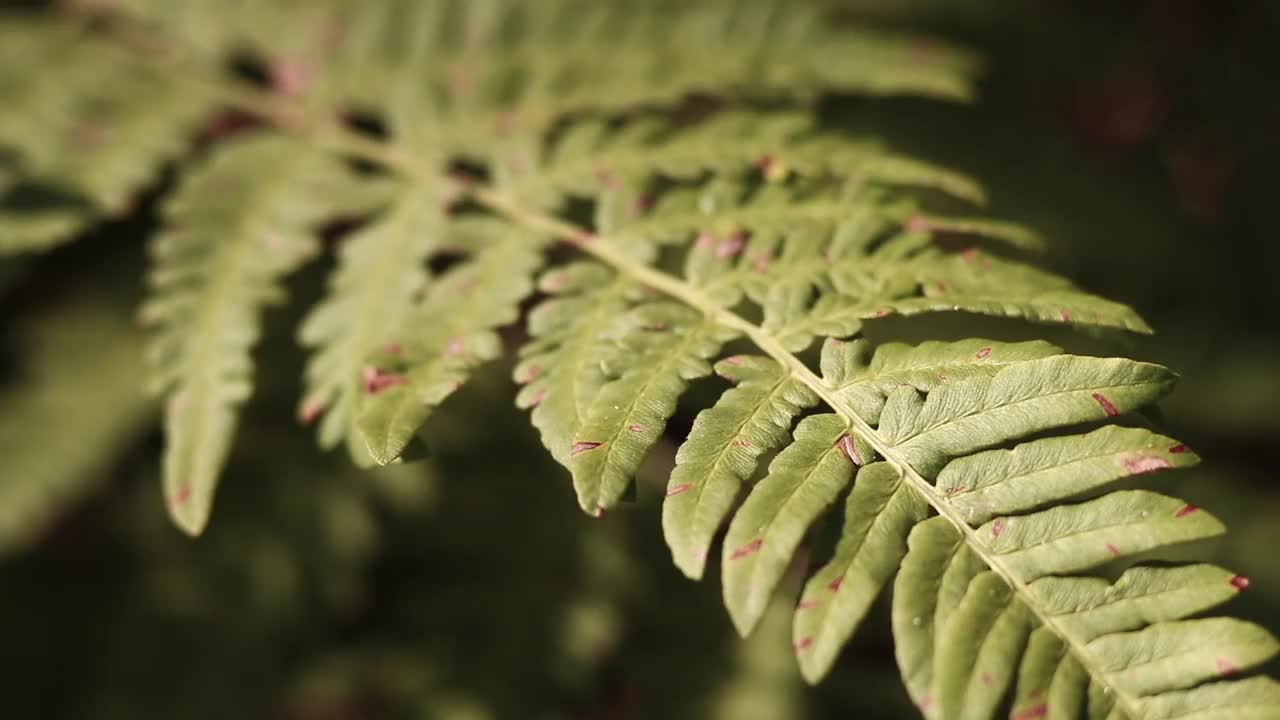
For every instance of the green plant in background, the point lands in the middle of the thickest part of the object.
(659, 181)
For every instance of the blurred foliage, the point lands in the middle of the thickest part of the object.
(1140, 138)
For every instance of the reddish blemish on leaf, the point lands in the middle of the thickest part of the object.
(608, 179)
(748, 549)
(881, 313)
(1140, 464)
(182, 495)
(1226, 667)
(734, 360)
(528, 374)
(925, 703)
(849, 448)
(290, 76)
(583, 446)
(705, 240)
(1064, 316)
(760, 263)
(310, 410)
(731, 246)
(942, 377)
(394, 348)
(1178, 449)
(1239, 582)
(636, 428)
(1035, 712)
(764, 163)
(741, 442)
(88, 135)
(1107, 406)
(834, 585)
(555, 282)
(953, 490)
(916, 224)
(969, 254)
(538, 396)
(807, 605)
(1185, 510)
(984, 352)
(987, 679)
(583, 238)
(941, 287)
(642, 204)
(659, 326)
(1113, 549)
(997, 527)
(377, 380)
(677, 489)
(598, 512)
(804, 643)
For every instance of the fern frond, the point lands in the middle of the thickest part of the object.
(61, 427)
(85, 134)
(449, 332)
(381, 274)
(475, 75)
(237, 225)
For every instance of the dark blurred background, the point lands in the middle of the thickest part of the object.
(1140, 137)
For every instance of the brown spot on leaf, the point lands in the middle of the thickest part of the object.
(310, 410)
(1178, 449)
(984, 352)
(635, 428)
(583, 446)
(741, 442)
(1113, 550)
(849, 448)
(748, 549)
(1035, 712)
(1185, 510)
(987, 679)
(731, 246)
(804, 643)
(377, 380)
(1139, 464)
(1107, 406)
(834, 585)
(677, 489)
(915, 223)
(182, 495)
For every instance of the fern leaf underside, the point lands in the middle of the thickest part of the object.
(991, 483)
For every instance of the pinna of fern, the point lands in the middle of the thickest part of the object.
(988, 481)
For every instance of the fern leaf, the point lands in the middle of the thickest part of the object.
(802, 481)
(879, 513)
(722, 452)
(444, 336)
(237, 225)
(560, 368)
(87, 132)
(381, 272)
(61, 427)
(663, 347)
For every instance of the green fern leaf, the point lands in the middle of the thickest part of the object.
(722, 451)
(382, 270)
(61, 427)
(449, 332)
(662, 347)
(84, 135)
(237, 225)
